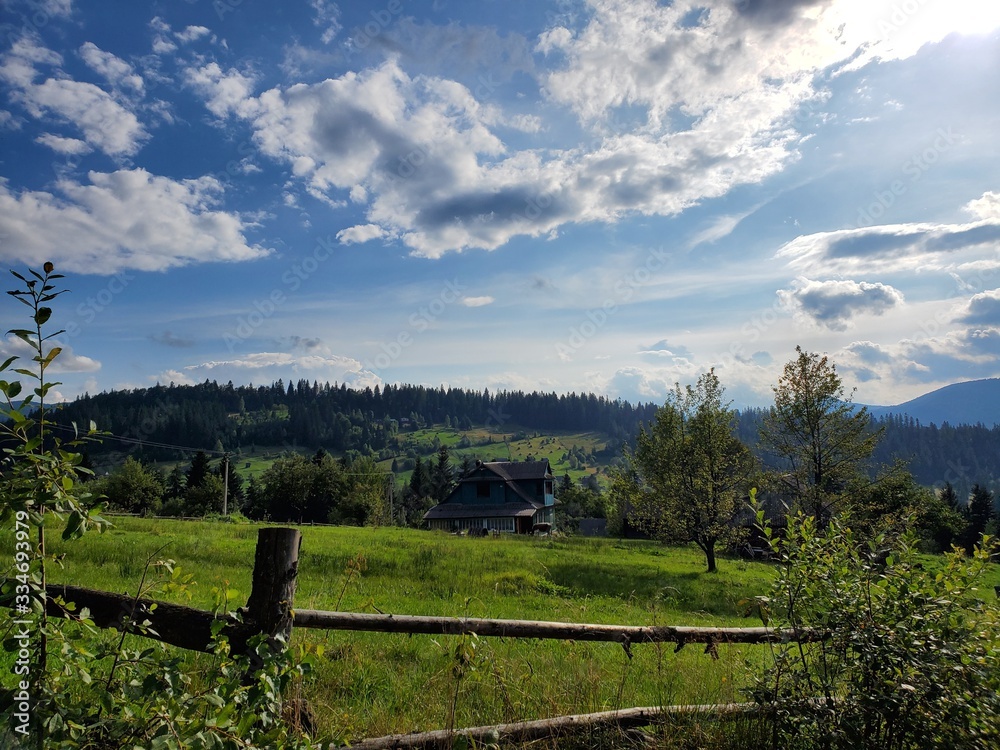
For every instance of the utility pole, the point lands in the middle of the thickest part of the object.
(225, 486)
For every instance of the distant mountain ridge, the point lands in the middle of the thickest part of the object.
(973, 402)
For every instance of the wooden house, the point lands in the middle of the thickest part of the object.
(504, 496)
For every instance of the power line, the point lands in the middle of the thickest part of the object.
(139, 441)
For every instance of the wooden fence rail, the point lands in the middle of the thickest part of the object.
(270, 610)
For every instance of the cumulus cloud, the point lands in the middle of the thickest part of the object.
(62, 145)
(361, 233)
(104, 122)
(986, 208)
(116, 71)
(834, 304)
(190, 33)
(122, 220)
(638, 385)
(223, 91)
(67, 361)
(716, 100)
(982, 309)
(477, 301)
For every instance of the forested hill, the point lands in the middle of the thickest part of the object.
(311, 415)
(963, 454)
(333, 417)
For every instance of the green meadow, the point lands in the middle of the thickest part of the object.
(371, 684)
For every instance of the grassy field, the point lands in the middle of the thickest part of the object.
(370, 684)
(374, 684)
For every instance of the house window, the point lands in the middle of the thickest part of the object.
(548, 486)
(482, 489)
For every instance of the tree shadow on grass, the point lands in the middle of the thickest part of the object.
(693, 591)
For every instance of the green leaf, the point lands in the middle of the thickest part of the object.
(53, 353)
(74, 526)
(43, 315)
(10, 390)
(6, 364)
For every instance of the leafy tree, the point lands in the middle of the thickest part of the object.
(577, 502)
(823, 440)
(896, 498)
(691, 472)
(364, 500)
(132, 487)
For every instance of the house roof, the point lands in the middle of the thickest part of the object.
(517, 470)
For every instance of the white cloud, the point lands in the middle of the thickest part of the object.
(986, 208)
(162, 44)
(361, 233)
(327, 18)
(72, 146)
(982, 309)
(18, 65)
(892, 247)
(477, 301)
(104, 122)
(834, 304)
(122, 220)
(224, 92)
(67, 360)
(191, 33)
(117, 72)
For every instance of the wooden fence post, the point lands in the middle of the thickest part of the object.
(275, 575)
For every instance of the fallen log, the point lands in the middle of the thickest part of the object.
(526, 731)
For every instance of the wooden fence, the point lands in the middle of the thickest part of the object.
(270, 610)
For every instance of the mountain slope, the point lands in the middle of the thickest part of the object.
(973, 402)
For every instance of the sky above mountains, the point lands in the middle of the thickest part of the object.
(607, 196)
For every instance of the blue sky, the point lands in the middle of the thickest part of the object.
(602, 196)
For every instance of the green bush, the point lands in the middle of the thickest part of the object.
(911, 657)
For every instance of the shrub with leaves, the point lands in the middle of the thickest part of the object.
(86, 688)
(911, 657)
